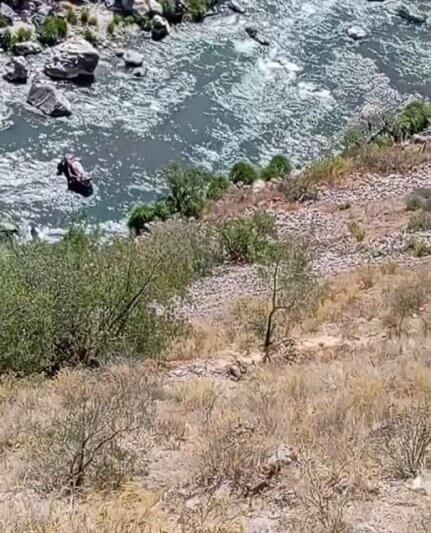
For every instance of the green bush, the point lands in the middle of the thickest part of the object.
(278, 167)
(3, 22)
(83, 302)
(198, 8)
(413, 119)
(89, 36)
(217, 187)
(53, 30)
(9, 38)
(140, 216)
(248, 240)
(71, 17)
(188, 190)
(243, 172)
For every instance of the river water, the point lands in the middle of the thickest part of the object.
(210, 97)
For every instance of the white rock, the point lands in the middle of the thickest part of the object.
(357, 32)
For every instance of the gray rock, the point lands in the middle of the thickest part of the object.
(357, 32)
(27, 48)
(73, 58)
(254, 34)
(236, 7)
(48, 100)
(258, 186)
(8, 228)
(16, 70)
(411, 13)
(7, 13)
(132, 58)
(154, 8)
(160, 28)
(139, 72)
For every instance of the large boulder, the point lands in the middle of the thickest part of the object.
(48, 100)
(411, 13)
(16, 70)
(160, 28)
(74, 58)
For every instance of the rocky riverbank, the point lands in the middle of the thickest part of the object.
(363, 222)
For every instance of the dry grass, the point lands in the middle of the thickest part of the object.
(323, 444)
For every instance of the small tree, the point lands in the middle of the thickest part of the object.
(294, 288)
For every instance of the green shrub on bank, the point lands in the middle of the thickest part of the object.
(217, 187)
(10, 38)
(144, 213)
(71, 16)
(198, 8)
(89, 36)
(243, 172)
(248, 240)
(53, 30)
(3, 22)
(278, 167)
(190, 189)
(83, 302)
(413, 119)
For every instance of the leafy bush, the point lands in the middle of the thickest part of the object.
(53, 30)
(80, 301)
(9, 38)
(243, 172)
(217, 187)
(420, 222)
(246, 240)
(111, 27)
(3, 22)
(71, 17)
(403, 301)
(90, 36)
(190, 189)
(198, 8)
(278, 167)
(413, 119)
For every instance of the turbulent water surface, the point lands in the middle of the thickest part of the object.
(210, 97)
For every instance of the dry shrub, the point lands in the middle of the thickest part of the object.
(329, 171)
(324, 498)
(404, 443)
(201, 341)
(402, 301)
(387, 159)
(228, 449)
(195, 394)
(84, 439)
(356, 231)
